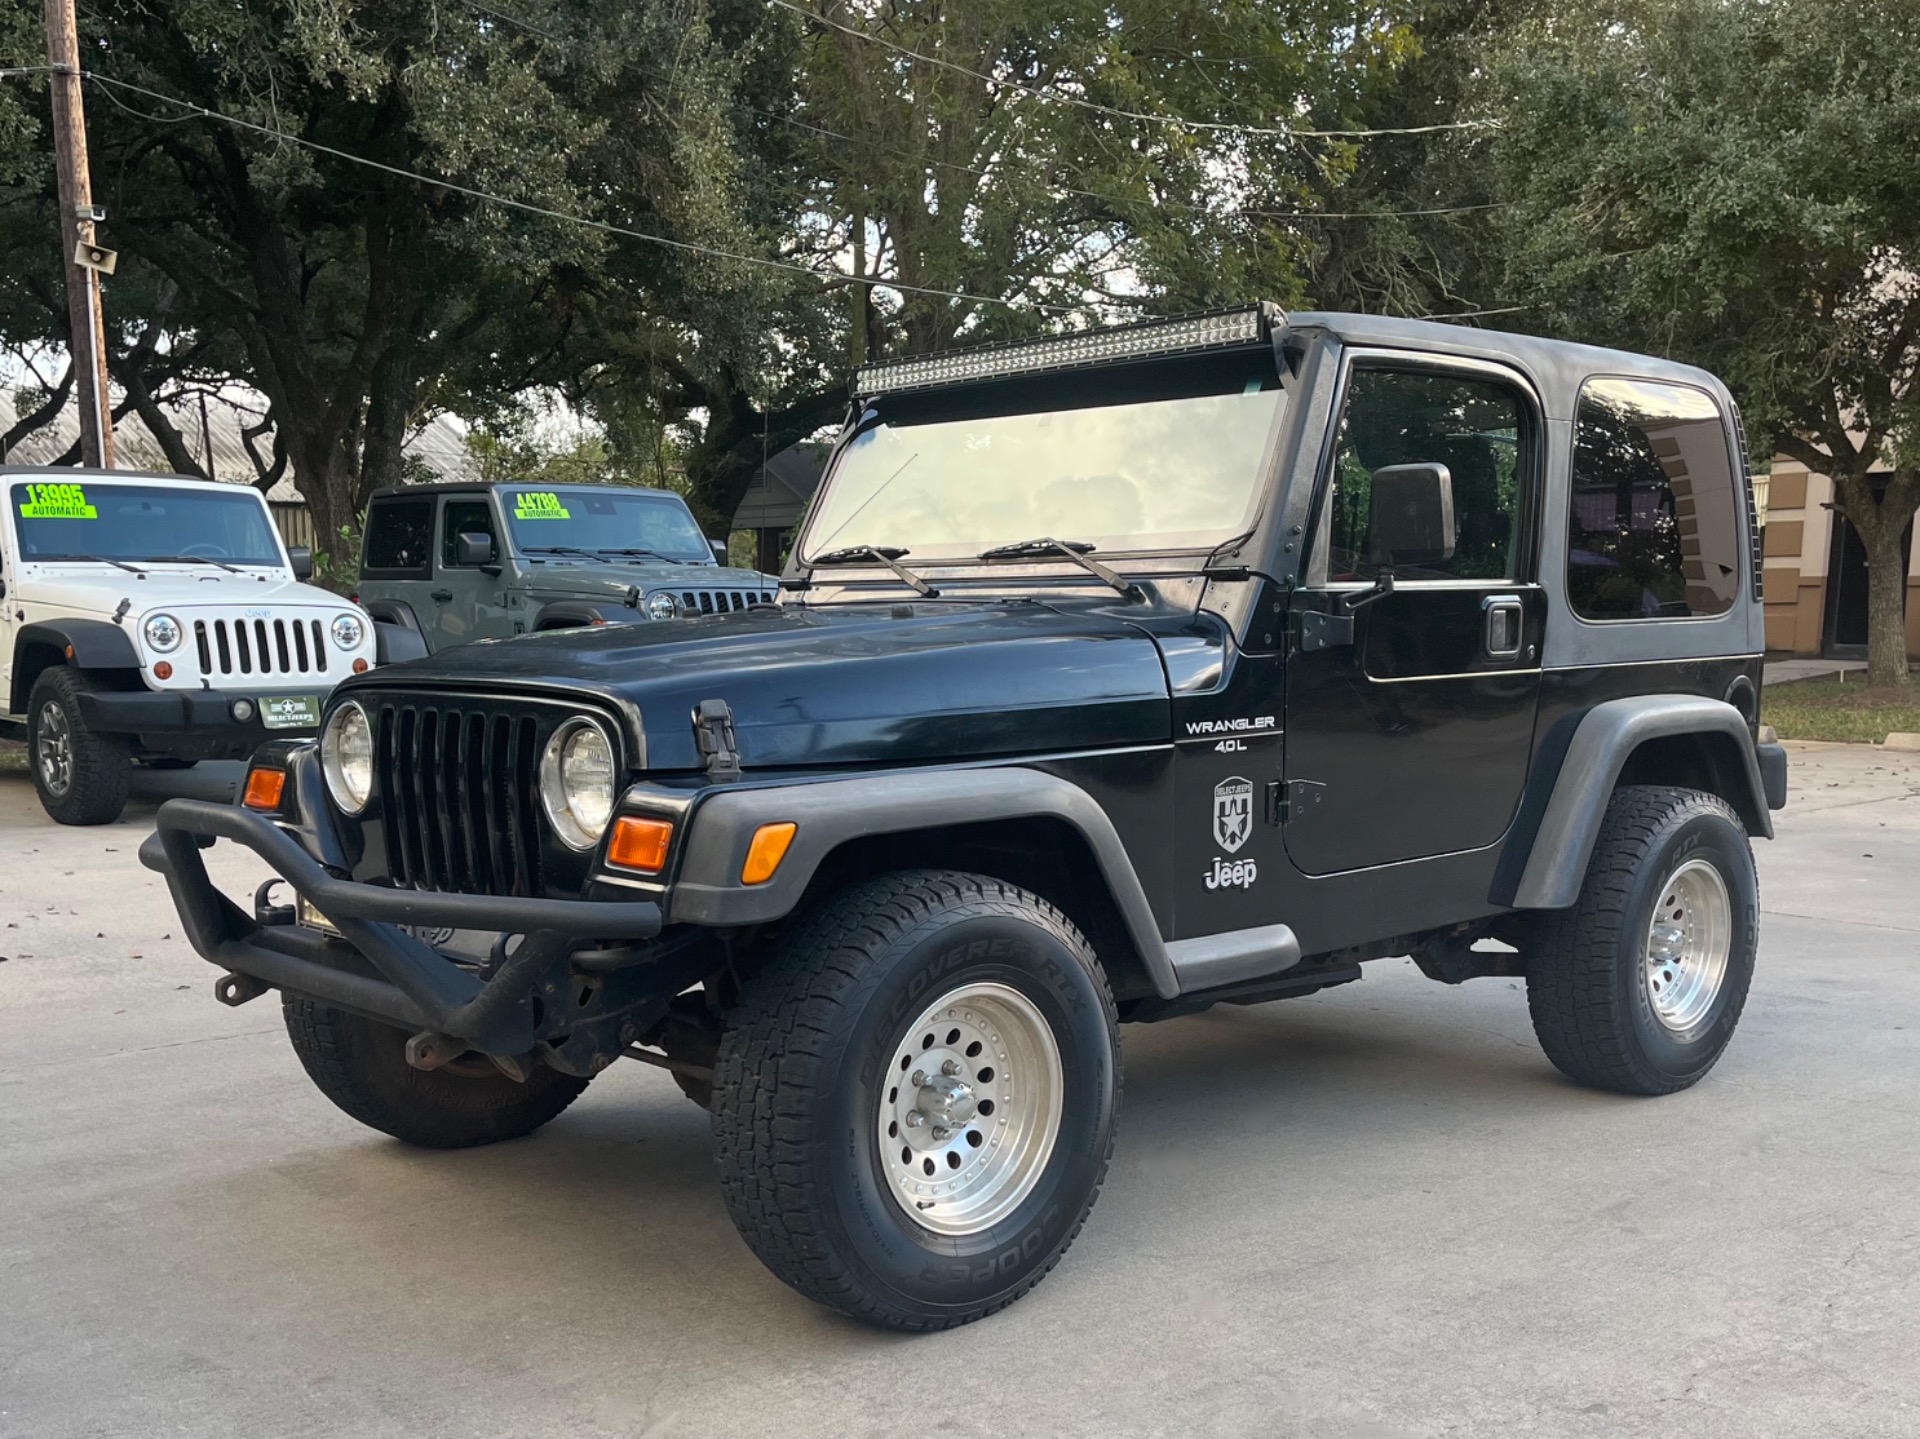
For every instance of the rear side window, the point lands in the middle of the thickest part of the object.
(1654, 530)
(400, 537)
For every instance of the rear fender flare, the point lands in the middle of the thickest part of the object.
(829, 813)
(1603, 743)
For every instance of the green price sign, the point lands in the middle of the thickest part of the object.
(57, 502)
(539, 505)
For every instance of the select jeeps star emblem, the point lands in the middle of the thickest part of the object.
(1232, 813)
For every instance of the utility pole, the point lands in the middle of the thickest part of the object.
(82, 258)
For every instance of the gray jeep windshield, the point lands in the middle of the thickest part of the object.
(86, 517)
(1156, 474)
(603, 520)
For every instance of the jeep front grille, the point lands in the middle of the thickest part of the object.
(719, 602)
(458, 798)
(268, 648)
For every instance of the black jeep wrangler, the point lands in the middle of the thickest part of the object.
(1119, 675)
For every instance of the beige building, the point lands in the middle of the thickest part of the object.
(1816, 571)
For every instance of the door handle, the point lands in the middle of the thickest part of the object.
(441, 595)
(1505, 621)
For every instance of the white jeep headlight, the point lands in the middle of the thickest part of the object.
(348, 631)
(162, 632)
(576, 782)
(346, 757)
(662, 606)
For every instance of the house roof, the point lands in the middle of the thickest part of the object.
(440, 446)
(780, 489)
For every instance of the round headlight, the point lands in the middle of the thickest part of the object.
(348, 631)
(661, 606)
(346, 757)
(576, 782)
(162, 632)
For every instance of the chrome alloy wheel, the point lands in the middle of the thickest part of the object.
(54, 752)
(1688, 945)
(971, 1109)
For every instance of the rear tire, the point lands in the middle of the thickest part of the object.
(361, 1065)
(80, 776)
(961, 1000)
(1638, 987)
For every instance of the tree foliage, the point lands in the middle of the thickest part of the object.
(1731, 182)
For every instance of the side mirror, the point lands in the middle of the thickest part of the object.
(473, 549)
(1412, 515)
(719, 551)
(301, 557)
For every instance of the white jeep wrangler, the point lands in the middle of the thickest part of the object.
(155, 619)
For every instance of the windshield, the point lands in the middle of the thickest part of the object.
(605, 521)
(106, 520)
(1162, 474)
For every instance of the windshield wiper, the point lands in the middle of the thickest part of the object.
(91, 560)
(192, 560)
(650, 554)
(889, 557)
(558, 550)
(1075, 550)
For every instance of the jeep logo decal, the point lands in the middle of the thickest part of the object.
(1232, 813)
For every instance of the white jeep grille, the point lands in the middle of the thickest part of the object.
(273, 648)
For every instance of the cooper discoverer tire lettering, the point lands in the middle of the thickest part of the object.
(931, 976)
(1638, 987)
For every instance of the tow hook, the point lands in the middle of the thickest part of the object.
(237, 989)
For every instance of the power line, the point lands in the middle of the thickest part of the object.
(1080, 102)
(984, 173)
(686, 246)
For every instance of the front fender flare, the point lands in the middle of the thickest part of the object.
(828, 813)
(85, 644)
(1606, 737)
(579, 614)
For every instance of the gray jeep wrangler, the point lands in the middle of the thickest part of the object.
(460, 562)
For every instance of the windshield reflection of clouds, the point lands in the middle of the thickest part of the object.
(1161, 474)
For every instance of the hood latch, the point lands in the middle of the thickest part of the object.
(713, 731)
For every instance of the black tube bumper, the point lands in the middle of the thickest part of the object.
(377, 968)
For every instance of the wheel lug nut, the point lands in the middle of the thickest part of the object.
(950, 1068)
(915, 1119)
(941, 1132)
(919, 1078)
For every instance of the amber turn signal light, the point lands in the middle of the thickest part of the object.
(640, 843)
(264, 788)
(163, 671)
(769, 847)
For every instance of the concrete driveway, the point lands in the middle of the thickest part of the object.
(1375, 1212)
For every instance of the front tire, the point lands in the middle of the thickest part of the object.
(80, 776)
(1638, 987)
(361, 1065)
(961, 1000)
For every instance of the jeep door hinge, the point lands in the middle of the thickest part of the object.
(1291, 800)
(713, 732)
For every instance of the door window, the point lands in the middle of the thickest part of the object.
(1475, 427)
(1654, 529)
(463, 517)
(399, 538)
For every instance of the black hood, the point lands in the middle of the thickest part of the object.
(855, 683)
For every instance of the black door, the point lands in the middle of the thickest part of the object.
(1409, 719)
(1846, 625)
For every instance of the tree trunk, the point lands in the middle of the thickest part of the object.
(1886, 603)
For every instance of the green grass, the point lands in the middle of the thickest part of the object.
(1829, 710)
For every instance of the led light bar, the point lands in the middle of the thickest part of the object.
(1213, 330)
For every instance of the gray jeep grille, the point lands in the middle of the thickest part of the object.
(718, 602)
